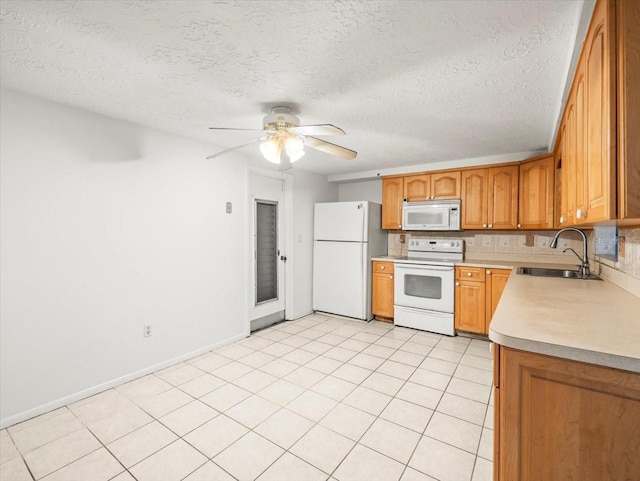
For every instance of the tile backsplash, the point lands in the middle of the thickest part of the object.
(480, 244)
(626, 271)
(533, 246)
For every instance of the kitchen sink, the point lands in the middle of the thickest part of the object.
(563, 273)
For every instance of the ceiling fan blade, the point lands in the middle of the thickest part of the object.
(322, 129)
(235, 148)
(330, 148)
(231, 128)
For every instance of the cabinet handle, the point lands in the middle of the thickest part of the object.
(457, 283)
(484, 226)
(390, 277)
(519, 226)
(488, 273)
(490, 226)
(562, 219)
(469, 274)
(381, 268)
(581, 214)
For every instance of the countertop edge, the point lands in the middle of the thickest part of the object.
(575, 353)
(565, 352)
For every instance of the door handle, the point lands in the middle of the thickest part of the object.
(283, 258)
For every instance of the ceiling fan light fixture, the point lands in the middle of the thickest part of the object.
(294, 148)
(271, 150)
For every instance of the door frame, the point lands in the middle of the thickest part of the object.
(287, 242)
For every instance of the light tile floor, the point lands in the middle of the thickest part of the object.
(320, 398)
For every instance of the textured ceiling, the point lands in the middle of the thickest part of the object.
(410, 81)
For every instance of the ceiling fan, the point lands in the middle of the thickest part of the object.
(284, 138)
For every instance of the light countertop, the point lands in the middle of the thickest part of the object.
(590, 321)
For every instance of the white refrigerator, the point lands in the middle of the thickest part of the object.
(346, 236)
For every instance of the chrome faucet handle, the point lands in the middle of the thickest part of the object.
(584, 263)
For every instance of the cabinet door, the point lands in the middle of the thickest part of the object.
(474, 199)
(561, 200)
(569, 164)
(445, 185)
(580, 158)
(392, 195)
(382, 295)
(600, 123)
(628, 111)
(536, 194)
(495, 282)
(417, 187)
(566, 420)
(469, 311)
(503, 197)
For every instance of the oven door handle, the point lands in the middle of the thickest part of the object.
(423, 267)
(422, 311)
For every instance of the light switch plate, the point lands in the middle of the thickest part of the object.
(228, 207)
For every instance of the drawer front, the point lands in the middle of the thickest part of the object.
(470, 273)
(383, 267)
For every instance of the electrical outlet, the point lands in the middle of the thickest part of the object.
(529, 240)
(146, 331)
(621, 247)
(403, 238)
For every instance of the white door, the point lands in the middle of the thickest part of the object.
(267, 257)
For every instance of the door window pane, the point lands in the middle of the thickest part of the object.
(266, 251)
(427, 287)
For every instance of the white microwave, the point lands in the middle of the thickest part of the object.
(436, 215)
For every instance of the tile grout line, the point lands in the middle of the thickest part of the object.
(367, 330)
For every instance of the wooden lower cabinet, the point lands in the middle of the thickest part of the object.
(382, 290)
(557, 420)
(477, 292)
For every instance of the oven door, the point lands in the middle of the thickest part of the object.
(424, 287)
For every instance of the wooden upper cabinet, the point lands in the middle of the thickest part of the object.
(445, 185)
(600, 115)
(561, 199)
(417, 187)
(392, 197)
(569, 165)
(442, 185)
(628, 107)
(474, 199)
(536, 197)
(503, 197)
(579, 186)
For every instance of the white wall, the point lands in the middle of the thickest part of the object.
(309, 189)
(369, 190)
(105, 226)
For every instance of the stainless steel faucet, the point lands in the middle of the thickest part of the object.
(585, 269)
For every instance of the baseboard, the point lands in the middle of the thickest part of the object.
(58, 403)
(299, 314)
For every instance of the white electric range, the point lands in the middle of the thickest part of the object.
(424, 284)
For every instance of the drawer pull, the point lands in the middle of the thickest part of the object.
(469, 274)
